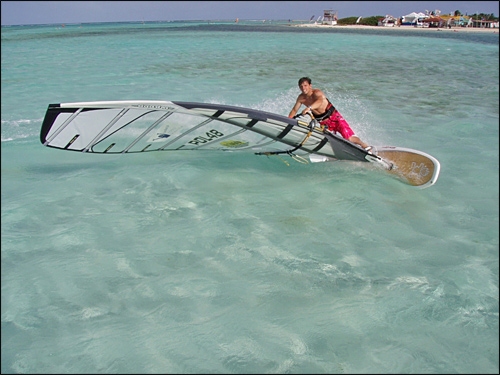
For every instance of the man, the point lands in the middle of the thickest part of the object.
(324, 112)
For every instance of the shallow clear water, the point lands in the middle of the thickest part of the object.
(206, 262)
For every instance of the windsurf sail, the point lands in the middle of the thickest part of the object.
(144, 126)
(119, 127)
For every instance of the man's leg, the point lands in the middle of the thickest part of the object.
(356, 140)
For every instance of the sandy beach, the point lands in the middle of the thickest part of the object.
(405, 28)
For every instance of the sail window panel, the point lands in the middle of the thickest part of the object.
(130, 130)
(207, 136)
(192, 132)
(86, 125)
(276, 122)
(272, 130)
(295, 136)
(282, 131)
(313, 143)
(173, 132)
(238, 120)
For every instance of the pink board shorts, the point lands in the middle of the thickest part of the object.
(336, 123)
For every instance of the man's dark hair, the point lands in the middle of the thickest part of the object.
(303, 79)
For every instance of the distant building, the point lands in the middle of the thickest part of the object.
(484, 24)
(456, 21)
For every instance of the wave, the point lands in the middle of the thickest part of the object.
(20, 129)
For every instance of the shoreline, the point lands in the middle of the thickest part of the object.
(405, 28)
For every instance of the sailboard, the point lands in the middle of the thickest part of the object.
(121, 127)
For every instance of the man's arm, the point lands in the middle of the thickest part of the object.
(295, 108)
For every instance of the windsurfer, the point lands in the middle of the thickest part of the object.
(324, 112)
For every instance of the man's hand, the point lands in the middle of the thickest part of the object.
(307, 110)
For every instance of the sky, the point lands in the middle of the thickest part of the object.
(61, 12)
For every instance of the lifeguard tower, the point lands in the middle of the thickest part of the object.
(330, 17)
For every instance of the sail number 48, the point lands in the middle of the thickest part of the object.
(209, 136)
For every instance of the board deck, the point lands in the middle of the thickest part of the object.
(414, 167)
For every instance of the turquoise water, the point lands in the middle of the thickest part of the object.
(223, 263)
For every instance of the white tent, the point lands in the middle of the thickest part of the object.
(387, 21)
(412, 18)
